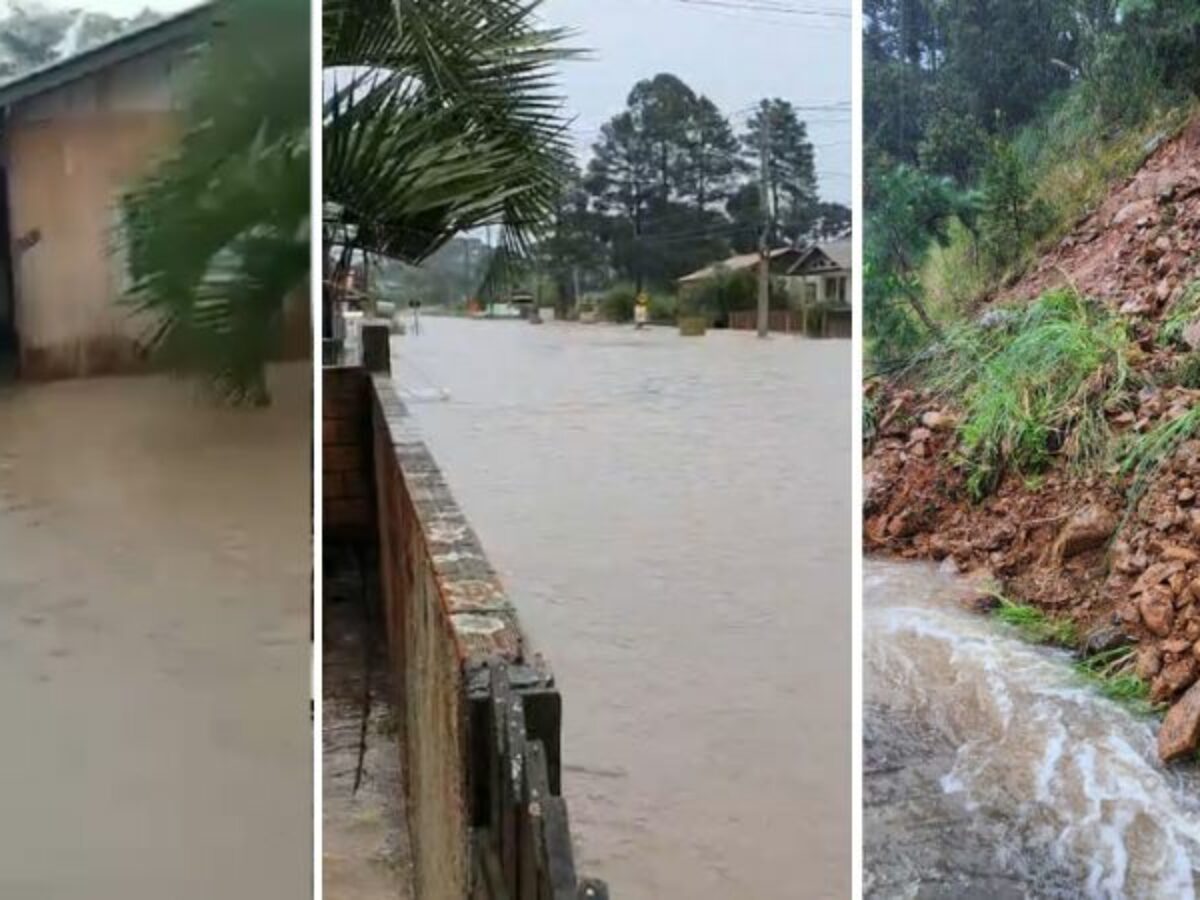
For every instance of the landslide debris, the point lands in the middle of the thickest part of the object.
(1085, 500)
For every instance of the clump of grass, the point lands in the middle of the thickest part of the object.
(1034, 383)
(1111, 673)
(1182, 313)
(1185, 373)
(1144, 455)
(1035, 626)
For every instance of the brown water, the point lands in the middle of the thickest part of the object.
(991, 770)
(154, 642)
(671, 517)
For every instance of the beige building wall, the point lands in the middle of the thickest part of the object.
(65, 177)
(70, 152)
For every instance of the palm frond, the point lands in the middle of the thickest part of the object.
(217, 235)
(439, 118)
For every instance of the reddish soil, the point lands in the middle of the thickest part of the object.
(1138, 250)
(1077, 546)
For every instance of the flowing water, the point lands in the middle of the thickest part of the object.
(154, 642)
(992, 770)
(671, 517)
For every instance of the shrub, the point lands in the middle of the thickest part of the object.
(728, 292)
(1012, 216)
(617, 303)
(663, 309)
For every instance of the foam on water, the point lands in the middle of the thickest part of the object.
(1039, 755)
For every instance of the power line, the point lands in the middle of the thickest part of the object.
(767, 6)
(800, 19)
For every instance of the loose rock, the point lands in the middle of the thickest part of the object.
(1157, 610)
(1180, 731)
(1087, 529)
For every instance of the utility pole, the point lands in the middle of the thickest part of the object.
(764, 243)
(575, 278)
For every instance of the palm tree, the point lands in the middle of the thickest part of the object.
(439, 118)
(217, 235)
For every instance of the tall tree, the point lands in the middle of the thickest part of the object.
(791, 173)
(711, 159)
(622, 177)
(660, 109)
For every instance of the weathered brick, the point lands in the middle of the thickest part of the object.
(342, 458)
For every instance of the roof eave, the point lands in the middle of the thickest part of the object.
(177, 28)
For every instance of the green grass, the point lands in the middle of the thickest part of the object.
(1185, 373)
(1143, 455)
(1111, 673)
(1035, 626)
(1033, 384)
(1182, 312)
(1074, 156)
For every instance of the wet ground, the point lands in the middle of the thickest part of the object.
(365, 841)
(671, 517)
(992, 770)
(154, 642)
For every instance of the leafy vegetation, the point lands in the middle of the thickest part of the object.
(1035, 626)
(1111, 673)
(672, 185)
(1029, 110)
(217, 235)
(439, 118)
(729, 291)
(1033, 383)
(1144, 454)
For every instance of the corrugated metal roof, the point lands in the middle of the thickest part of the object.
(187, 25)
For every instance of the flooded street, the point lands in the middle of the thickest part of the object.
(671, 518)
(154, 642)
(992, 770)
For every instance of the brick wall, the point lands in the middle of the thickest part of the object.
(447, 618)
(446, 614)
(347, 478)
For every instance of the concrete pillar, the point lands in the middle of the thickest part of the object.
(376, 353)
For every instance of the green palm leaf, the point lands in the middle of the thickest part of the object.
(217, 236)
(439, 118)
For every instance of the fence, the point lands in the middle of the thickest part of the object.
(822, 323)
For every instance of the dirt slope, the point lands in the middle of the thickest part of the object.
(1079, 546)
(1137, 251)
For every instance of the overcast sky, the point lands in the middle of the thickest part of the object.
(122, 8)
(734, 51)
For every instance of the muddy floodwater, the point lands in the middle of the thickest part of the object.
(671, 517)
(154, 642)
(992, 770)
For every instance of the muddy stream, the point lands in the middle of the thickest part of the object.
(154, 642)
(992, 770)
